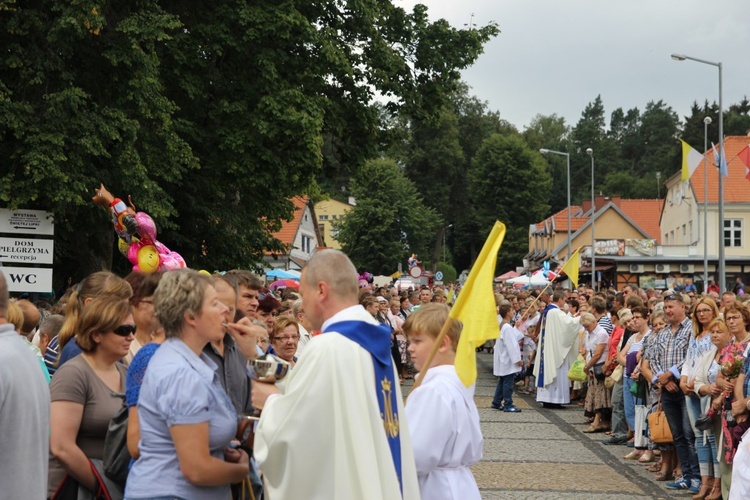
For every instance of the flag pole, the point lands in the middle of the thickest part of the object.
(562, 269)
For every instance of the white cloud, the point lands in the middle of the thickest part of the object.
(556, 56)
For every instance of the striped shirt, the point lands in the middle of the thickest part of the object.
(50, 355)
(606, 323)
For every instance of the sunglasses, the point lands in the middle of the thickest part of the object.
(124, 330)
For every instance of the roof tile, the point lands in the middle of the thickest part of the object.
(736, 187)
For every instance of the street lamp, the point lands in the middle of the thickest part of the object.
(722, 269)
(445, 231)
(590, 152)
(706, 123)
(567, 157)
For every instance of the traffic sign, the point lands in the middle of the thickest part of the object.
(439, 275)
(28, 279)
(415, 271)
(27, 250)
(26, 222)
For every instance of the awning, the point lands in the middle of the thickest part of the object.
(587, 269)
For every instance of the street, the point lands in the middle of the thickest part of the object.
(542, 454)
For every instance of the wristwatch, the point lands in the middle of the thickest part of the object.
(747, 404)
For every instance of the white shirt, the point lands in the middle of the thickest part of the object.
(445, 433)
(507, 351)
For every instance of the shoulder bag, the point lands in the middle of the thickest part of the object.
(116, 456)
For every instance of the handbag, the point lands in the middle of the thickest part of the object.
(614, 377)
(599, 371)
(658, 426)
(116, 455)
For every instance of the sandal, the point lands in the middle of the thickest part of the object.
(655, 467)
(647, 458)
(591, 429)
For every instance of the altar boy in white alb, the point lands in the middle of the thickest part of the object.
(443, 419)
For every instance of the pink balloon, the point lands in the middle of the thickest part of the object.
(146, 227)
(133, 252)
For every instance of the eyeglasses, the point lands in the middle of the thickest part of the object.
(673, 297)
(733, 318)
(703, 311)
(124, 330)
(287, 339)
(263, 341)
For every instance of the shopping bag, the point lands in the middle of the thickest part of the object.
(640, 440)
(576, 372)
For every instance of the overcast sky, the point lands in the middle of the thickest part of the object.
(556, 56)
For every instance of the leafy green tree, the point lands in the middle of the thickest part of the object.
(509, 182)
(212, 115)
(390, 220)
(551, 132)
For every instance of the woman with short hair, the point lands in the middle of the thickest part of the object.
(598, 403)
(84, 392)
(186, 418)
(285, 338)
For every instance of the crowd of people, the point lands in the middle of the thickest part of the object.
(143, 387)
(624, 355)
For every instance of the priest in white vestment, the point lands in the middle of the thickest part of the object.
(326, 436)
(558, 348)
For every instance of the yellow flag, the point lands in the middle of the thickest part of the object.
(475, 307)
(571, 267)
(691, 159)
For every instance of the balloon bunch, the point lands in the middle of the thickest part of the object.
(364, 279)
(136, 234)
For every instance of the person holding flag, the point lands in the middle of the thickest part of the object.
(338, 431)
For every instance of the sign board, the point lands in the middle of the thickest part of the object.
(439, 275)
(26, 222)
(437, 282)
(28, 279)
(27, 250)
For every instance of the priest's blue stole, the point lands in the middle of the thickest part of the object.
(542, 333)
(376, 339)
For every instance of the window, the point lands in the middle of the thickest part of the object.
(732, 232)
(306, 244)
(684, 235)
(323, 217)
(691, 232)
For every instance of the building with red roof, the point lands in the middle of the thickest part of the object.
(300, 236)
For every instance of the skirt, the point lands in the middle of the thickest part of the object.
(598, 397)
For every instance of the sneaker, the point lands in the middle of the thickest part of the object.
(682, 484)
(496, 407)
(512, 409)
(616, 440)
(695, 485)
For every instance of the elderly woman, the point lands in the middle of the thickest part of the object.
(285, 337)
(704, 386)
(186, 418)
(628, 357)
(84, 391)
(597, 403)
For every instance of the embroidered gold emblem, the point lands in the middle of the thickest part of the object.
(390, 419)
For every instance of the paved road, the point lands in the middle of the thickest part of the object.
(542, 454)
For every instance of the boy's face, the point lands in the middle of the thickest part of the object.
(419, 348)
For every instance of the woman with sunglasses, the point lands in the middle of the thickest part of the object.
(84, 391)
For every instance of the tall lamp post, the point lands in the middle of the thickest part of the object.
(445, 230)
(567, 157)
(722, 268)
(706, 123)
(590, 152)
